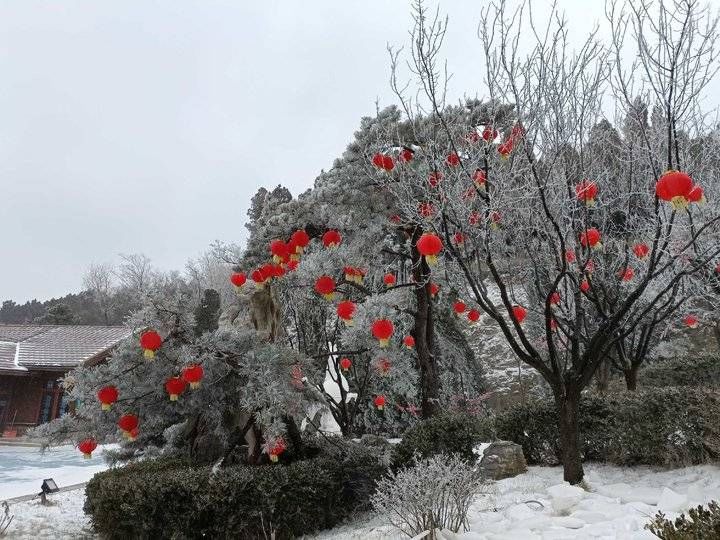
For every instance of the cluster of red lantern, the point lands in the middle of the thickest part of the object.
(353, 274)
(678, 189)
(384, 162)
(150, 341)
(429, 246)
(506, 147)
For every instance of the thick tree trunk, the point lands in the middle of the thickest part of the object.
(631, 376)
(568, 407)
(602, 377)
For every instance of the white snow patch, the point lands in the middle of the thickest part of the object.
(62, 518)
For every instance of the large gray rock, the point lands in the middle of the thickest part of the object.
(503, 459)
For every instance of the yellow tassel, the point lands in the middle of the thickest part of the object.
(679, 203)
(87, 456)
(431, 259)
(277, 259)
(149, 354)
(195, 385)
(590, 202)
(494, 225)
(384, 342)
(173, 397)
(106, 406)
(348, 322)
(329, 296)
(238, 288)
(260, 285)
(380, 407)
(597, 246)
(273, 458)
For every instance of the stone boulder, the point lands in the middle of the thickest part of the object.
(502, 459)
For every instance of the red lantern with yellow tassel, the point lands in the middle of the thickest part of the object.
(382, 330)
(429, 245)
(150, 341)
(107, 395)
(345, 311)
(87, 446)
(174, 387)
(128, 424)
(379, 402)
(193, 374)
(325, 285)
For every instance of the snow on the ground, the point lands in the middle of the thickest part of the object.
(23, 468)
(618, 504)
(62, 518)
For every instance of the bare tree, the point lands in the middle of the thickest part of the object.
(135, 272)
(514, 201)
(98, 279)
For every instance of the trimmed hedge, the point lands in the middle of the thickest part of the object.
(161, 499)
(446, 433)
(701, 370)
(701, 523)
(662, 426)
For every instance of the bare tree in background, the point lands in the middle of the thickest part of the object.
(136, 272)
(510, 206)
(98, 279)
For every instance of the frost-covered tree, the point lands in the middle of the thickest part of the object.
(540, 226)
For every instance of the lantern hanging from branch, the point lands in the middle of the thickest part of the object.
(434, 178)
(584, 285)
(382, 330)
(519, 313)
(691, 321)
(107, 395)
(389, 279)
(345, 364)
(379, 402)
(453, 160)
(479, 179)
(429, 246)
(406, 155)
(331, 239)
(279, 250)
(473, 315)
(697, 195)
(346, 311)
(627, 275)
(238, 279)
(555, 299)
(586, 191)
(409, 342)
(193, 374)
(150, 341)
(434, 289)
(459, 307)
(590, 238)
(87, 446)
(276, 448)
(300, 239)
(325, 286)
(674, 187)
(128, 424)
(641, 250)
(174, 387)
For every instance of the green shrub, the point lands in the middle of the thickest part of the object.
(699, 371)
(158, 499)
(446, 433)
(662, 426)
(701, 523)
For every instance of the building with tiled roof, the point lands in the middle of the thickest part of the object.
(32, 360)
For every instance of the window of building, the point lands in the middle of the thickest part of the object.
(52, 402)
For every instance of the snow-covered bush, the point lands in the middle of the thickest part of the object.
(699, 523)
(447, 433)
(662, 426)
(682, 371)
(435, 493)
(171, 499)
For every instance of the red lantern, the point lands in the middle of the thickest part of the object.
(150, 341)
(435, 178)
(128, 423)
(453, 160)
(434, 289)
(459, 307)
(426, 209)
(379, 402)
(277, 270)
(87, 446)
(505, 148)
(279, 250)
(489, 134)
(406, 155)
(641, 250)
(459, 238)
(473, 315)
(590, 238)
(555, 298)
(325, 285)
(276, 448)
(346, 310)
(519, 313)
(474, 218)
(238, 279)
(377, 160)
(479, 178)
(107, 395)
(409, 342)
(389, 279)
(570, 256)
(382, 330)
(300, 240)
(495, 219)
(429, 245)
(345, 364)
(292, 265)
(584, 285)
(553, 324)
(259, 278)
(388, 163)
(382, 366)
(193, 374)
(331, 239)
(590, 266)
(175, 386)
(586, 191)
(696, 195)
(691, 321)
(674, 187)
(627, 274)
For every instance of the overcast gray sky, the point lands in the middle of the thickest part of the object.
(146, 126)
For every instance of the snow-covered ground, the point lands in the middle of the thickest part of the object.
(22, 468)
(618, 504)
